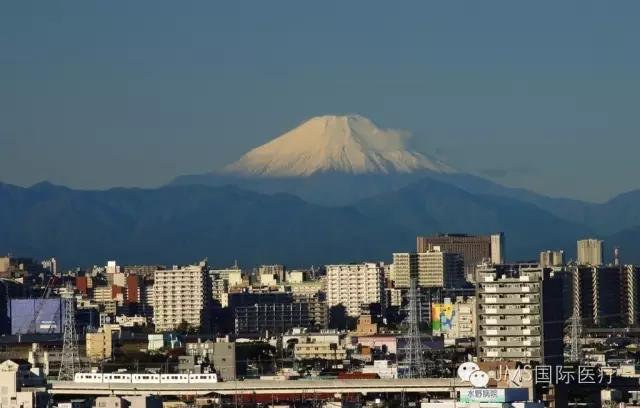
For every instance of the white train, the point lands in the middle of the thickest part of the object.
(125, 378)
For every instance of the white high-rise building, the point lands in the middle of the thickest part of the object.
(181, 295)
(519, 313)
(355, 285)
(590, 252)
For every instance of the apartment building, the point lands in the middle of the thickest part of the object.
(181, 295)
(319, 350)
(606, 295)
(590, 252)
(519, 313)
(403, 269)
(355, 285)
(271, 318)
(432, 269)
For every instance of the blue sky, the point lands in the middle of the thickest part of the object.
(542, 95)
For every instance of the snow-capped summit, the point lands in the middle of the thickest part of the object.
(349, 144)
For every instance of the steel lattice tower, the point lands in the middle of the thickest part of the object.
(575, 329)
(70, 361)
(414, 362)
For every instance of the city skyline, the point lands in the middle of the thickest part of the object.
(87, 88)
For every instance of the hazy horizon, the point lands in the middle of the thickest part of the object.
(540, 96)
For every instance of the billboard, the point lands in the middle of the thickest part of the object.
(442, 317)
(494, 395)
(36, 316)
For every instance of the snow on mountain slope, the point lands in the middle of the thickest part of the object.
(349, 144)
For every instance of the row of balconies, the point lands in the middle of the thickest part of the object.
(509, 320)
(509, 299)
(525, 309)
(509, 331)
(515, 288)
(516, 353)
(511, 341)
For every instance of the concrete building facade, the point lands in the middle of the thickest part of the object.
(355, 285)
(516, 319)
(181, 295)
(590, 252)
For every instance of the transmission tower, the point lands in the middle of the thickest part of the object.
(70, 361)
(575, 333)
(414, 363)
(575, 322)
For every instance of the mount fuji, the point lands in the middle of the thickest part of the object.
(328, 160)
(350, 144)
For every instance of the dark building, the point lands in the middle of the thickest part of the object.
(246, 298)
(605, 296)
(274, 312)
(8, 289)
(271, 318)
(475, 249)
(630, 285)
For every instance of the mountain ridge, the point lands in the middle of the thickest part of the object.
(179, 224)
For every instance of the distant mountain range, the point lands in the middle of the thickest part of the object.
(180, 224)
(335, 189)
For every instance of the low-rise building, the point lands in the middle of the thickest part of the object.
(383, 368)
(20, 387)
(454, 319)
(319, 350)
(99, 345)
(388, 344)
(221, 354)
(163, 340)
(366, 326)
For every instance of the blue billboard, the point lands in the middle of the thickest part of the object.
(36, 316)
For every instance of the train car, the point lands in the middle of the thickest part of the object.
(116, 378)
(87, 378)
(202, 378)
(174, 378)
(145, 378)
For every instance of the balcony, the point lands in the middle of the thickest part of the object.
(509, 320)
(509, 288)
(509, 331)
(510, 342)
(513, 299)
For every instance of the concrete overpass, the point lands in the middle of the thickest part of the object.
(256, 387)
